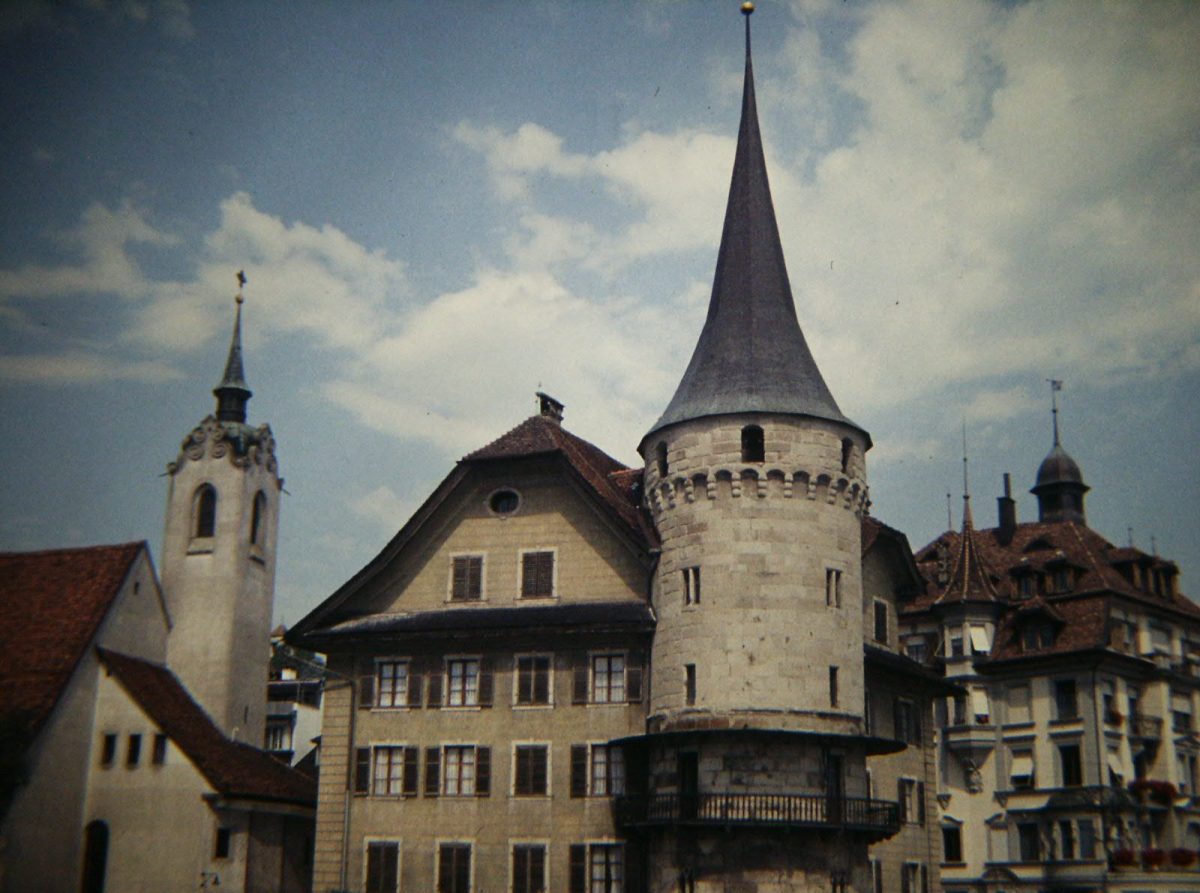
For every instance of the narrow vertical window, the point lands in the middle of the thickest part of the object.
(660, 459)
(159, 754)
(833, 587)
(881, 622)
(833, 686)
(537, 574)
(257, 518)
(205, 511)
(134, 751)
(689, 682)
(753, 449)
(108, 750)
(691, 585)
(847, 452)
(221, 845)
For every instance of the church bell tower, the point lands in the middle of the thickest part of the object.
(219, 547)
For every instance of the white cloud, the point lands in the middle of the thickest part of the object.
(384, 507)
(77, 367)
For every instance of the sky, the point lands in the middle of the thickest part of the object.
(444, 207)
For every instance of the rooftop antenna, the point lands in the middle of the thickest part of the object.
(1055, 386)
(949, 515)
(1129, 533)
(966, 480)
(1153, 546)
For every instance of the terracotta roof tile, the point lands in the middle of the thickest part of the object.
(51, 606)
(232, 768)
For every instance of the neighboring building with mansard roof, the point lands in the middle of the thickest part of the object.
(131, 712)
(1071, 761)
(566, 674)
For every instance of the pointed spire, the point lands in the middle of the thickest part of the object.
(971, 579)
(751, 356)
(233, 393)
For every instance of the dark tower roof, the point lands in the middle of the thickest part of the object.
(233, 393)
(971, 578)
(1060, 487)
(751, 356)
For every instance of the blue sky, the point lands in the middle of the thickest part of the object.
(442, 207)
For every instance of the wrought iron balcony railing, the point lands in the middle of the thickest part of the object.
(876, 818)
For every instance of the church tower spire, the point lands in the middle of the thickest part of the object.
(232, 393)
(219, 555)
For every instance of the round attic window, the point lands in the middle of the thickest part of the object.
(504, 502)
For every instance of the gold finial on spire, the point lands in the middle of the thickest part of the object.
(241, 280)
(747, 8)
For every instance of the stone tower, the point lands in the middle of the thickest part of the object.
(756, 482)
(219, 556)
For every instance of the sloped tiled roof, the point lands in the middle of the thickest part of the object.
(1082, 625)
(970, 579)
(51, 606)
(234, 769)
(613, 482)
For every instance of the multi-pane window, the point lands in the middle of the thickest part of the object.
(458, 771)
(606, 868)
(608, 770)
(533, 679)
(454, 868)
(537, 574)
(913, 878)
(1066, 702)
(1066, 837)
(608, 678)
(528, 868)
(912, 801)
(833, 587)
(917, 649)
(391, 683)
(277, 737)
(881, 622)
(691, 585)
(393, 771)
(531, 770)
(907, 721)
(466, 578)
(1071, 765)
(462, 676)
(383, 866)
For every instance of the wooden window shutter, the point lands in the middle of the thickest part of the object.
(414, 686)
(578, 868)
(433, 771)
(900, 797)
(362, 770)
(633, 677)
(924, 878)
(483, 772)
(433, 686)
(579, 691)
(579, 770)
(486, 682)
(921, 802)
(412, 756)
(366, 689)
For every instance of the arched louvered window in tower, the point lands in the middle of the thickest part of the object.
(258, 519)
(205, 511)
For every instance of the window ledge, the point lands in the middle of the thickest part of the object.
(201, 546)
(534, 707)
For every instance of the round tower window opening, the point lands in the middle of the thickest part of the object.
(660, 458)
(504, 502)
(753, 446)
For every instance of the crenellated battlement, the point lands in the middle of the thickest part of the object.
(735, 482)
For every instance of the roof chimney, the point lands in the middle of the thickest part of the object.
(1007, 507)
(549, 408)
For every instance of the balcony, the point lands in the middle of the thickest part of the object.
(1147, 727)
(875, 819)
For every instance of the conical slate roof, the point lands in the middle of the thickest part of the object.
(971, 579)
(751, 356)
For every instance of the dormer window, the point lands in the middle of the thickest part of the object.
(205, 511)
(753, 448)
(1037, 636)
(1027, 586)
(1062, 579)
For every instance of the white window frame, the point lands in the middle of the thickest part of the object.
(548, 746)
(516, 686)
(366, 845)
(513, 843)
(448, 686)
(530, 550)
(483, 591)
(372, 790)
(456, 746)
(593, 657)
(437, 859)
(593, 746)
(403, 699)
(608, 844)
